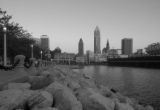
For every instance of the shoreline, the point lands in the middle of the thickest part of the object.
(76, 87)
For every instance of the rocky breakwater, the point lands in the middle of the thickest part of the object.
(59, 88)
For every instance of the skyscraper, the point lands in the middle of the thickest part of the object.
(80, 48)
(127, 46)
(97, 48)
(107, 46)
(45, 42)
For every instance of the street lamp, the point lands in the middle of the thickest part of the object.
(41, 54)
(5, 48)
(31, 50)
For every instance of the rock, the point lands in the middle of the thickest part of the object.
(85, 83)
(38, 82)
(63, 97)
(45, 73)
(138, 107)
(148, 107)
(46, 108)
(87, 76)
(73, 85)
(17, 86)
(120, 97)
(40, 100)
(105, 91)
(13, 99)
(123, 106)
(92, 100)
(114, 90)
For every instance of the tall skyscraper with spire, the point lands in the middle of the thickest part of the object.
(107, 46)
(80, 48)
(97, 48)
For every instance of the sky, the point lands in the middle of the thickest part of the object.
(66, 21)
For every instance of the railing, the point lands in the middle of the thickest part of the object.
(33, 63)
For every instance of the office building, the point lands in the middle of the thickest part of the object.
(97, 48)
(127, 46)
(45, 42)
(80, 48)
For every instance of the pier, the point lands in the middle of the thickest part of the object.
(141, 61)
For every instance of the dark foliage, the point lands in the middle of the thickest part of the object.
(18, 39)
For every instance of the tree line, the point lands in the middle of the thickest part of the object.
(19, 40)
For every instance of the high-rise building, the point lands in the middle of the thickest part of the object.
(80, 48)
(97, 48)
(45, 42)
(107, 46)
(127, 46)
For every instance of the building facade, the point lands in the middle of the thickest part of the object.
(97, 48)
(80, 48)
(45, 42)
(127, 46)
(64, 58)
(90, 56)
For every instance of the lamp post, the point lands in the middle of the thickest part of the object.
(5, 47)
(31, 50)
(41, 54)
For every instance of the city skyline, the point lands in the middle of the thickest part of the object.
(67, 21)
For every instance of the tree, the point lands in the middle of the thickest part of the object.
(55, 51)
(18, 39)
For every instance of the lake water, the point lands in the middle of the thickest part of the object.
(140, 83)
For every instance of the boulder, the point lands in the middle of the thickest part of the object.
(38, 82)
(17, 86)
(120, 97)
(85, 83)
(148, 107)
(105, 91)
(14, 99)
(46, 108)
(19, 109)
(73, 85)
(138, 107)
(92, 100)
(40, 99)
(63, 97)
(123, 106)
(45, 73)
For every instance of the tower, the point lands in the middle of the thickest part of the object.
(97, 48)
(45, 42)
(80, 48)
(127, 46)
(107, 46)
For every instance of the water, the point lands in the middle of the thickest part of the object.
(142, 84)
